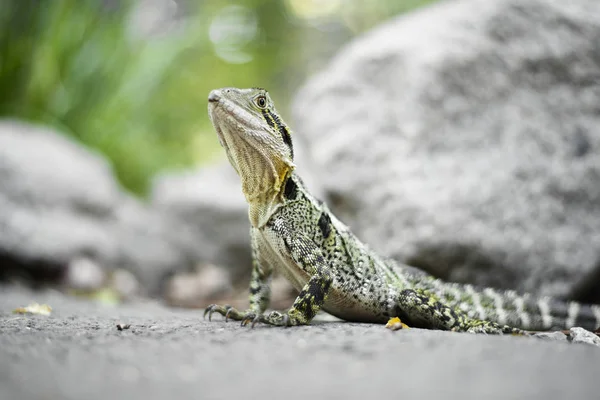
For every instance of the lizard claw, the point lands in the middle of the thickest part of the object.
(225, 310)
(249, 317)
(209, 310)
(228, 309)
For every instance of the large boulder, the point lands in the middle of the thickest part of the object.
(60, 203)
(464, 139)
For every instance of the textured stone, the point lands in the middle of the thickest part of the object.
(60, 203)
(552, 336)
(463, 139)
(580, 335)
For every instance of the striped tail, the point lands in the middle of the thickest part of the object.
(522, 310)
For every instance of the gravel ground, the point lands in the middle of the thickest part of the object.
(78, 353)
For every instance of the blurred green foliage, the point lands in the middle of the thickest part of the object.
(133, 84)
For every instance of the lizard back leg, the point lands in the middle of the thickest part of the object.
(421, 309)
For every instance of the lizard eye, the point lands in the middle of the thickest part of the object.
(261, 101)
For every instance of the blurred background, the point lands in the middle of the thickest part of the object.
(130, 78)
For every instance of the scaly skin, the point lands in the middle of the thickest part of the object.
(334, 271)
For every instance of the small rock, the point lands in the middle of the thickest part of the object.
(85, 274)
(580, 335)
(125, 284)
(123, 326)
(553, 336)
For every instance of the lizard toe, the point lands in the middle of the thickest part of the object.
(249, 317)
(210, 310)
(227, 311)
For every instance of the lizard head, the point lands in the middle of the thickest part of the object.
(257, 141)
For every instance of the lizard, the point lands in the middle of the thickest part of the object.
(296, 234)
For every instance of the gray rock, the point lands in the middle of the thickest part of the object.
(85, 275)
(580, 335)
(60, 202)
(552, 336)
(463, 139)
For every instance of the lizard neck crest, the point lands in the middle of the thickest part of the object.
(258, 145)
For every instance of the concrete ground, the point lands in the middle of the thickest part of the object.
(78, 353)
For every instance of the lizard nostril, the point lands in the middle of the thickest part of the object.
(213, 96)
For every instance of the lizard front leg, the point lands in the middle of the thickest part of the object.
(260, 289)
(309, 258)
(305, 307)
(422, 309)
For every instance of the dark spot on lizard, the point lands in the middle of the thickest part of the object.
(559, 309)
(325, 224)
(291, 189)
(269, 118)
(318, 290)
(283, 130)
(254, 289)
(288, 248)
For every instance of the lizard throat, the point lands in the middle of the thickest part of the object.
(262, 171)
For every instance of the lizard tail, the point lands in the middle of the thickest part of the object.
(525, 311)
(567, 315)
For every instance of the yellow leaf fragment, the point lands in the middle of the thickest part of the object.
(395, 324)
(34, 308)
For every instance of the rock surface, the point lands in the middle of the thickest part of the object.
(60, 203)
(78, 353)
(464, 139)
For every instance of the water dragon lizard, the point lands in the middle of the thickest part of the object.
(296, 234)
